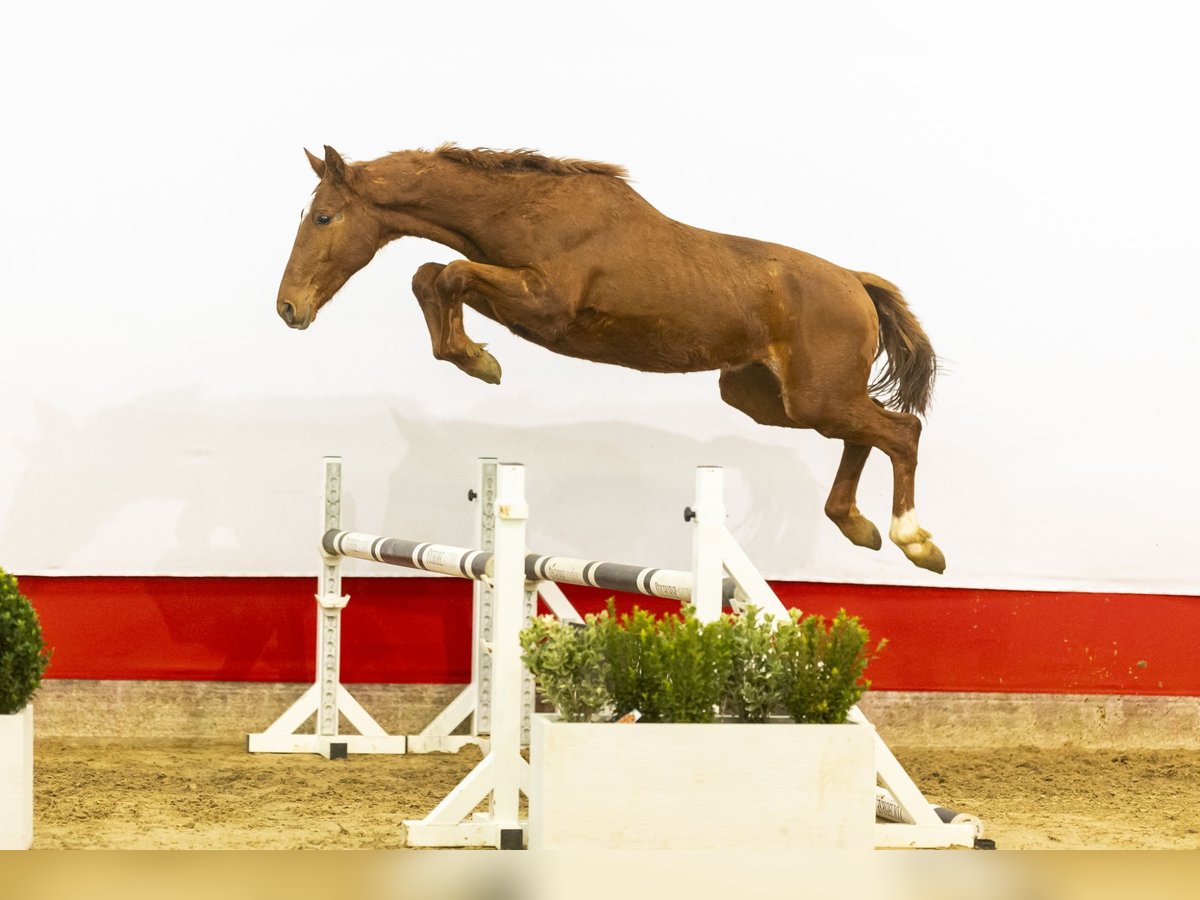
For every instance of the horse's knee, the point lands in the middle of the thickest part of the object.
(425, 276)
(453, 278)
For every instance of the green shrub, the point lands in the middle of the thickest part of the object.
(692, 663)
(23, 655)
(753, 688)
(634, 668)
(569, 665)
(671, 669)
(675, 669)
(821, 668)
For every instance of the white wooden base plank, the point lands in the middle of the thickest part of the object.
(445, 743)
(266, 742)
(280, 736)
(892, 836)
(470, 833)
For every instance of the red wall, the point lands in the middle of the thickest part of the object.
(417, 630)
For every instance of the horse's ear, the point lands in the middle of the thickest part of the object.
(334, 164)
(318, 164)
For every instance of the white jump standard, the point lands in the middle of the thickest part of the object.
(327, 697)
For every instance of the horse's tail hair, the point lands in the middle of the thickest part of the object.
(905, 380)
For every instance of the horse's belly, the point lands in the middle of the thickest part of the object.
(643, 344)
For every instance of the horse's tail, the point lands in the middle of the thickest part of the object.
(905, 381)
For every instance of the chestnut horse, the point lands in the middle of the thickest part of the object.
(566, 254)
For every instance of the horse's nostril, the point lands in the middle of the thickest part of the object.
(288, 312)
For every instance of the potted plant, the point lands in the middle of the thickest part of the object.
(726, 735)
(23, 659)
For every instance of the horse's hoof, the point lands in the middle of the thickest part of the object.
(861, 532)
(925, 555)
(484, 367)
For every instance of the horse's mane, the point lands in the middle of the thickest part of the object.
(527, 161)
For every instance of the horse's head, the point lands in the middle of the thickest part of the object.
(339, 234)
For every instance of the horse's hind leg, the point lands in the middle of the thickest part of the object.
(863, 422)
(841, 507)
(444, 318)
(905, 532)
(837, 405)
(756, 391)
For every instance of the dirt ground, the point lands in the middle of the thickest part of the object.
(215, 795)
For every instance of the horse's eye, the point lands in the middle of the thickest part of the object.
(321, 219)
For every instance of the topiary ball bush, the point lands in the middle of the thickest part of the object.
(23, 653)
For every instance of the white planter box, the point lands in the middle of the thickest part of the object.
(701, 787)
(16, 780)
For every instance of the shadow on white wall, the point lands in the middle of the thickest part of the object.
(178, 484)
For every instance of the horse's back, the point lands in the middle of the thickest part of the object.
(724, 273)
(637, 288)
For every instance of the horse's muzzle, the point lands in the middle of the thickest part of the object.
(287, 312)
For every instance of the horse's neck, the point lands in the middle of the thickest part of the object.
(446, 203)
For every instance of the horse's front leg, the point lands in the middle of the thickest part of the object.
(519, 299)
(443, 316)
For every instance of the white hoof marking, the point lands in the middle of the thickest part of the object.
(906, 530)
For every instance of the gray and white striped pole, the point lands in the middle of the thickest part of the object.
(466, 562)
(428, 557)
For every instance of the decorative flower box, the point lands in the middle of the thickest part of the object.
(701, 787)
(16, 780)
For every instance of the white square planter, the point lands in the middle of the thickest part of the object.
(701, 787)
(16, 780)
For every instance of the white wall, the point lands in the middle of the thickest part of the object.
(1027, 173)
